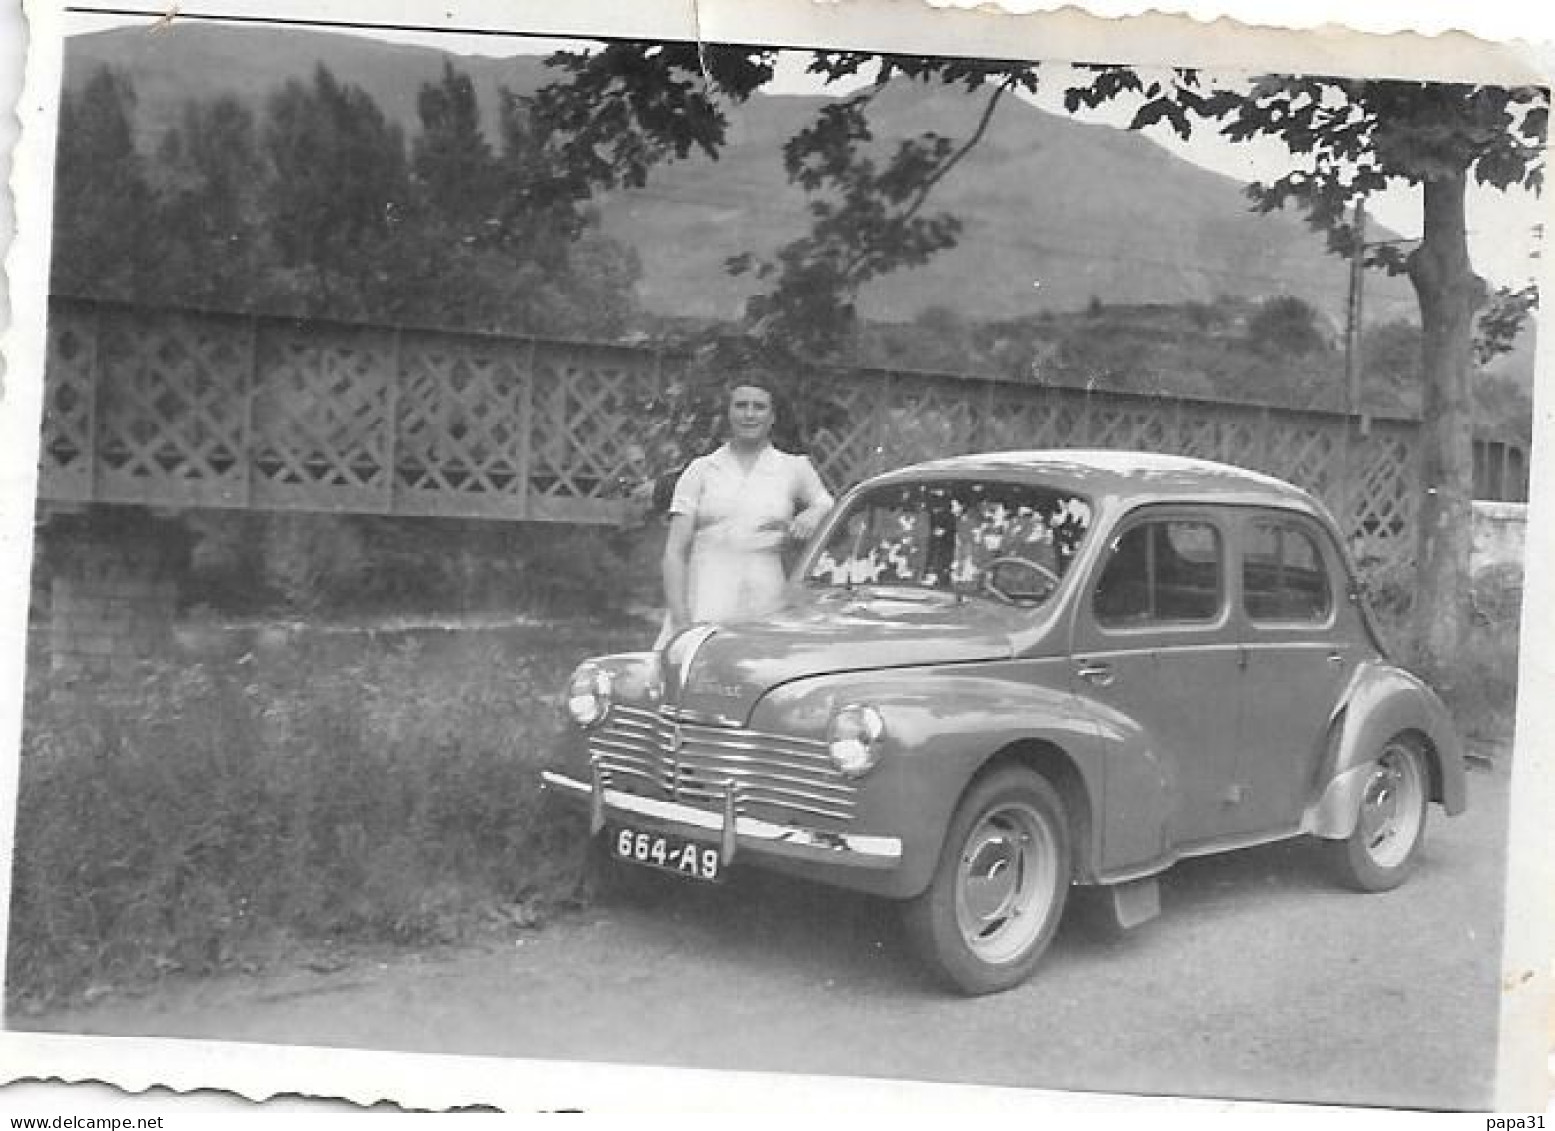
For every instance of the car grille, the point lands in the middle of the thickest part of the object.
(773, 777)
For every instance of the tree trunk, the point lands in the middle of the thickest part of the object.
(1449, 293)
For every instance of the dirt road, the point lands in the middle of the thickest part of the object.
(1261, 979)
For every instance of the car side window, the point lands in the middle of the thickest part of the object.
(1163, 571)
(1284, 577)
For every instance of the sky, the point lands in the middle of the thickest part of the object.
(1502, 225)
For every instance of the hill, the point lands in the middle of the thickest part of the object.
(1056, 212)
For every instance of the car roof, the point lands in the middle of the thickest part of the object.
(1136, 476)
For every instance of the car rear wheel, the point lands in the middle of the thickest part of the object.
(1000, 886)
(1390, 826)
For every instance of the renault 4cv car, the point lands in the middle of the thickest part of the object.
(1001, 675)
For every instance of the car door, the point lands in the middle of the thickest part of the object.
(1157, 659)
(1300, 650)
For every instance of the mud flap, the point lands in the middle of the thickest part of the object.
(1135, 902)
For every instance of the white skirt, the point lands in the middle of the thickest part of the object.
(726, 585)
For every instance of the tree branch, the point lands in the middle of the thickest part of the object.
(921, 197)
(955, 158)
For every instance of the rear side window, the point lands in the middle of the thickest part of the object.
(1159, 572)
(1283, 575)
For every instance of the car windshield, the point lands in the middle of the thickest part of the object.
(1013, 541)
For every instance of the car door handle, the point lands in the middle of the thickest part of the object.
(1097, 672)
(1336, 658)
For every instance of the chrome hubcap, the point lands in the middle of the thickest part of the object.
(1006, 881)
(1391, 807)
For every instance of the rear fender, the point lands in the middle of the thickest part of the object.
(1383, 701)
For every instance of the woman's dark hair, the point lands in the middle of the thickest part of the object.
(749, 383)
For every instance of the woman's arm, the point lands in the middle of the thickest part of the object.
(676, 567)
(815, 500)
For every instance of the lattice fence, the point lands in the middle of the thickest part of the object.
(322, 418)
(463, 412)
(176, 408)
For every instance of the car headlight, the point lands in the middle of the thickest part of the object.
(854, 739)
(588, 694)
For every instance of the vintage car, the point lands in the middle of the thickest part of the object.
(1000, 675)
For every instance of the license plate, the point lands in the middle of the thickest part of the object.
(696, 860)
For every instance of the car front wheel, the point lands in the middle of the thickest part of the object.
(1000, 886)
(1390, 825)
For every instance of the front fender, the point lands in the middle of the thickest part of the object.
(1382, 701)
(943, 724)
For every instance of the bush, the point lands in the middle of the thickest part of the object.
(1479, 683)
(311, 565)
(172, 821)
(1285, 325)
(1389, 589)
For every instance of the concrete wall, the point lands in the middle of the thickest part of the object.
(1500, 532)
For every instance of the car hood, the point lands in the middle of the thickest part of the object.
(836, 631)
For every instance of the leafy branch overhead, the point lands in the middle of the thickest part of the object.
(1348, 138)
(865, 222)
(1501, 319)
(628, 106)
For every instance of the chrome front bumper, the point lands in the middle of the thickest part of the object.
(731, 832)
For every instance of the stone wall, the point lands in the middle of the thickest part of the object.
(107, 621)
(111, 584)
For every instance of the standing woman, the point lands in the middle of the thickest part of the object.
(733, 513)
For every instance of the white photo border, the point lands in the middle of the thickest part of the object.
(435, 1082)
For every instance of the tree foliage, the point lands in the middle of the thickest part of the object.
(1285, 325)
(453, 163)
(621, 110)
(340, 190)
(1348, 138)
(318, 206)
(207, 222)
(102, 196)
(1500, 320)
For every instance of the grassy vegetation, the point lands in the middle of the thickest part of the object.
(1481, 688)
(366, 566)
(382, 790)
